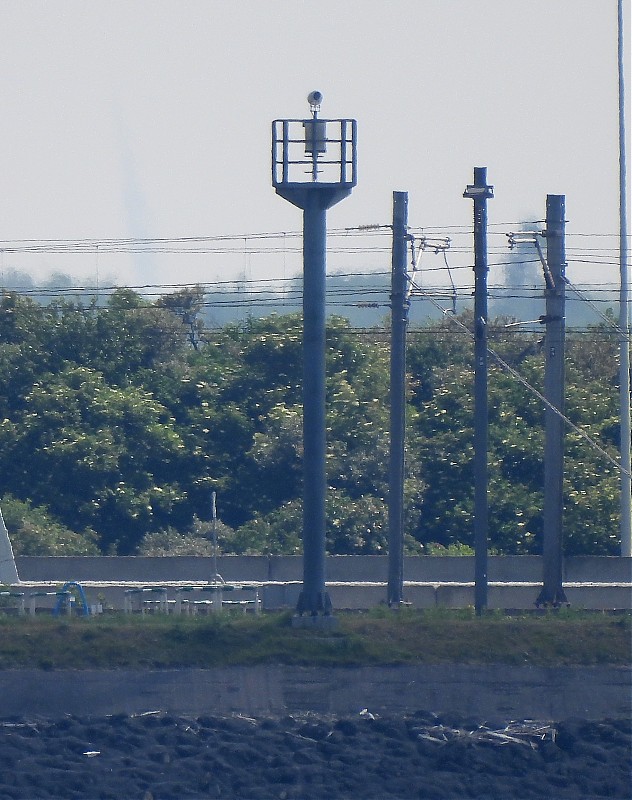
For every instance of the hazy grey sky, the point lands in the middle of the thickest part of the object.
(151, 118)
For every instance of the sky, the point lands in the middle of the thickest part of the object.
(152, 118)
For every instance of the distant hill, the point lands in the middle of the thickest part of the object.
(365, 301)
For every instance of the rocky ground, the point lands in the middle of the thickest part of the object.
(156, 756)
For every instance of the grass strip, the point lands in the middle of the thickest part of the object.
(379, 637)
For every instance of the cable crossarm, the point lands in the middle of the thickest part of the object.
(532, 238)
(515, 374)
(437, 245)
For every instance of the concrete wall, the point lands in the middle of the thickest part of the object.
(494, 692)
(357, 596)
(603, 569)
(140, 568)
(354, 582)
(437, 569)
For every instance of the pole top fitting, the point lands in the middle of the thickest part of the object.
(478, 192)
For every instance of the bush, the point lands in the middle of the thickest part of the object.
(197, 541)
(33, 532)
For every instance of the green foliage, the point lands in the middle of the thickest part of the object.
(105, 457)
(440, 636)
(276, 533)
(198, 540)
(441, 439)
(34, 533)
(434, 549)
(187, 305)
(123, 418)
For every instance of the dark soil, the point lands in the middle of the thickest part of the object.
(157, 756)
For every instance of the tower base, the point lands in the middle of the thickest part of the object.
(320, 623)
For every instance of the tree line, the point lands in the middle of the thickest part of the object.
(119, 420)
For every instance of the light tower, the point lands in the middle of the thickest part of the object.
(314, 167)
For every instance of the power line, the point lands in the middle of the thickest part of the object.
(515, 374)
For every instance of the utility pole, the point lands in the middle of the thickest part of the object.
(314, 167)
(480, 192)
(624, 310)
(552, 593)
(399, 322)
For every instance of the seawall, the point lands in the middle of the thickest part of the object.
(494, 692)
(353, 582)
(350, 569)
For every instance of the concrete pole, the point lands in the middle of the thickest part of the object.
(480, 192)
(624, 311)
(314, 598)
(552, 591)
(399, 321)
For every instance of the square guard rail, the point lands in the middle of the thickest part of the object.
(313, 154)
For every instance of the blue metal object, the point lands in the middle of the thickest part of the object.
(314, 154)
(76, 590)
(314, 167)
